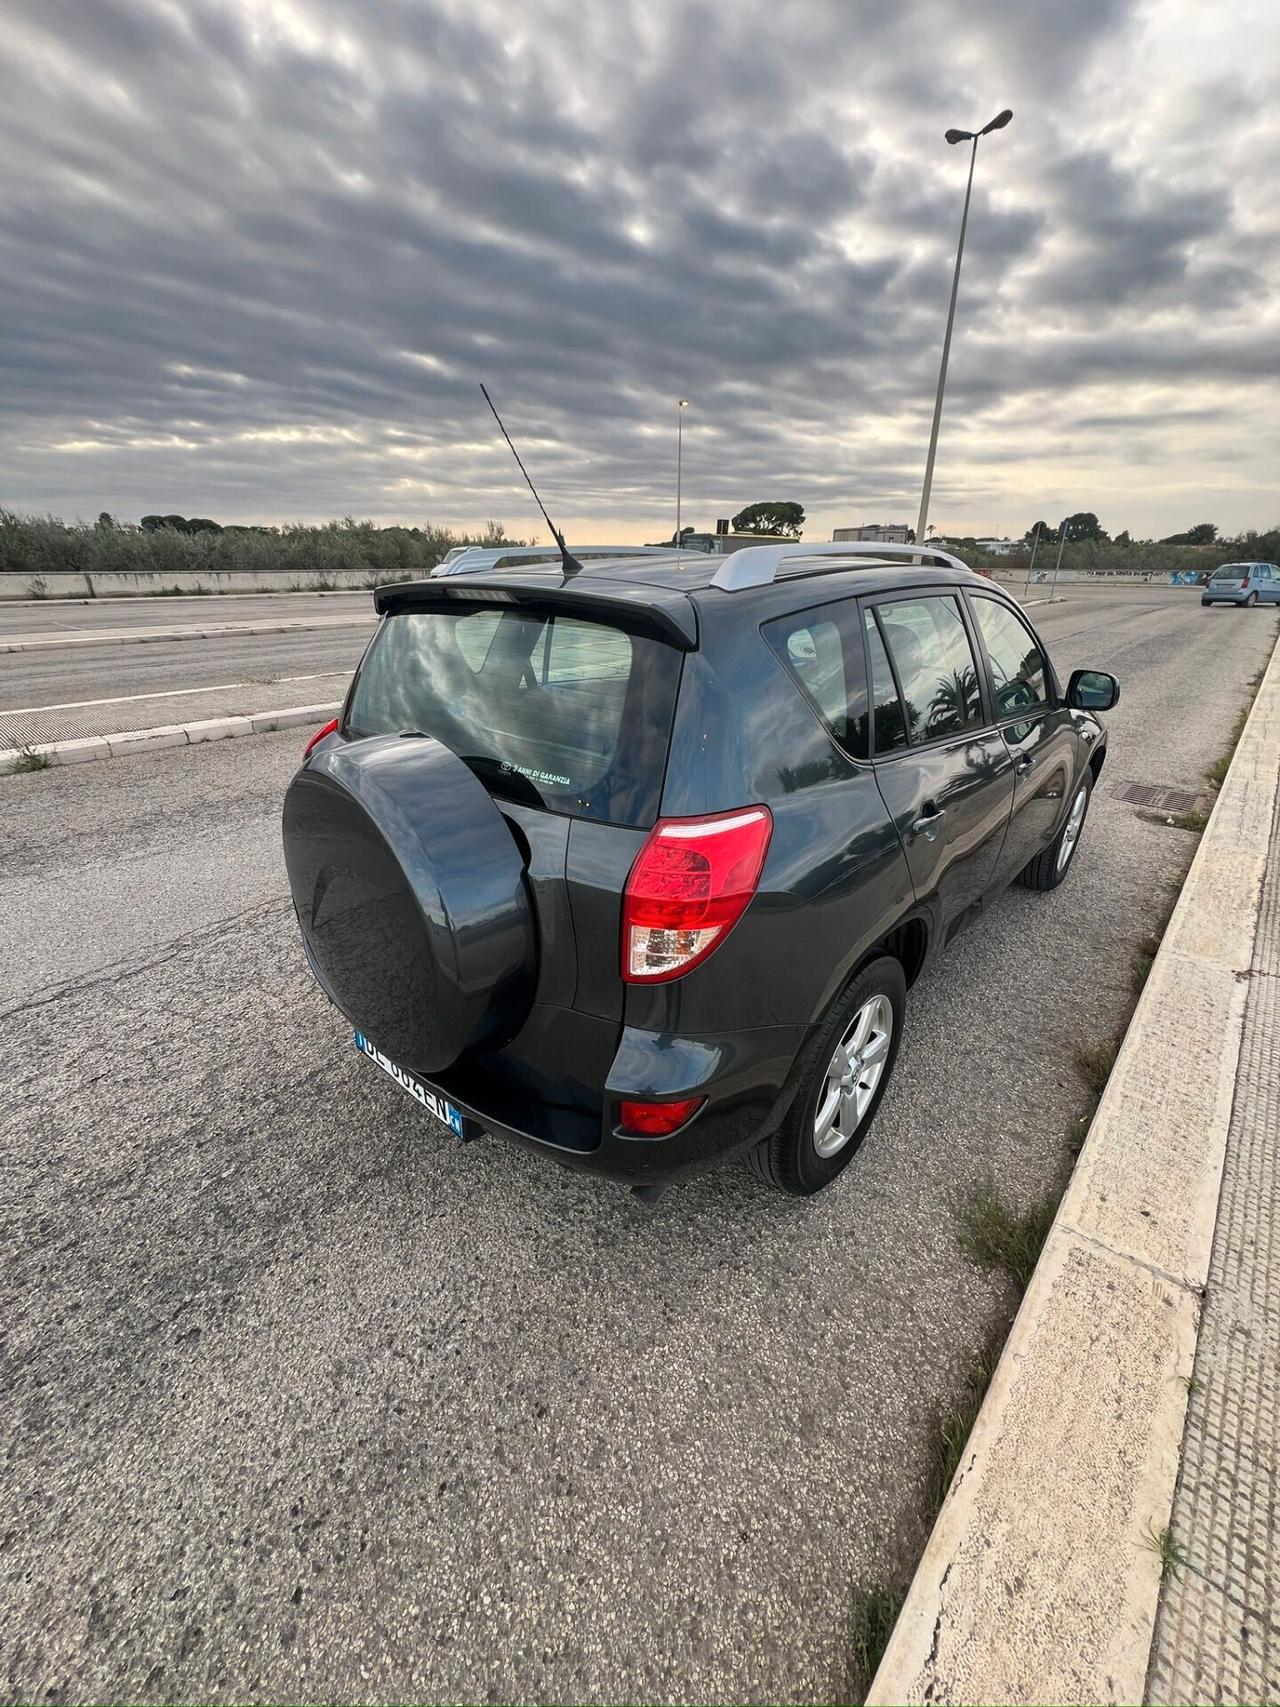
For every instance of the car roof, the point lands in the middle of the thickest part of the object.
(693, 571)
(669, 585)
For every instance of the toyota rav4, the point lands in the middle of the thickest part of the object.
(636, 865)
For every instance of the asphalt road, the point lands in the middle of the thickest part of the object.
(302, 1401)
(84, 673)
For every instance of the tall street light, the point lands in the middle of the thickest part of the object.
(997, 123)
(681, 406)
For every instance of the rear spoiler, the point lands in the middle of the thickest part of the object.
(634, 606)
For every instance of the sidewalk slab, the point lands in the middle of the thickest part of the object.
(1217, 1637)
(1040, 1581)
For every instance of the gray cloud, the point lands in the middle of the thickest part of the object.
(257, 259)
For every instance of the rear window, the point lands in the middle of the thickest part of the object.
(1232, 572)
(549, 709)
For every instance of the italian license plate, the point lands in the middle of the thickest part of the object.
(435, 1104)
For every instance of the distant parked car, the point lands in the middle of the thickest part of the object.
(1243, 584)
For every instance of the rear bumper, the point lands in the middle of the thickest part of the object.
(1223, 598)
(743, 1076)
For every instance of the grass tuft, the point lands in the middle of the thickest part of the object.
(875, 1612)
(996, 1237)
(1171, 1554)
(32, 759)
(1217, 771)
(1189, 821)
(1094, 1061)
(952, 1430)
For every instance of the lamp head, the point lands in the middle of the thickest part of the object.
(959, 136)
(998, 122)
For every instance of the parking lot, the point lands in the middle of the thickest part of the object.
(304, 1401)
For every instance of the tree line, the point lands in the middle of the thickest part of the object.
(39, 546)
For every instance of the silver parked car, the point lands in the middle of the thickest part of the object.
(1243, 584)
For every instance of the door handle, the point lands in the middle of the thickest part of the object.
(928, 825)
(1023, 764)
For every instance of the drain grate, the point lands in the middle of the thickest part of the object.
(1161, 799)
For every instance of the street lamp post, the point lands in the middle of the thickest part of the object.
(1035, 545)
(997, 123)
(681, 406)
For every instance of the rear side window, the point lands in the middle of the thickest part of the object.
(935, 664)
(553, 710)
(822, 651)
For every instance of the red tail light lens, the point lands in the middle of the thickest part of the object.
(656, 1119)
(690, 884)
(330, 728)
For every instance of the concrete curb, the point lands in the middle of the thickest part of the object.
(220, 631)
(66, 601)
(1039, 1582)
(93, 747)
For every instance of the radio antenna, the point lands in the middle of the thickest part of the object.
(568, 560)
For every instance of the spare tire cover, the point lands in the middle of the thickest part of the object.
(410, 891)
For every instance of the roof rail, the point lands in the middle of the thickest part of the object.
(478, 557)
(757, 565)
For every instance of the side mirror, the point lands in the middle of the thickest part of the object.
(1092, 690)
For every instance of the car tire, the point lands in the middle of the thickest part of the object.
(1049, 867)
(798, 1158)
(1251, 601)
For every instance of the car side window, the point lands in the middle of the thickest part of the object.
(936, 667)
(821, 650)
(888, 726)
(1018, 668)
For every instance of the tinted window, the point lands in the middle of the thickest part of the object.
(821, 650)
(889, 726)
(553, 710)
(1231, 572)
(935, 666)
(1017, 663)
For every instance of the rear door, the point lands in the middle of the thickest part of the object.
(1041, 735)
(945, 774)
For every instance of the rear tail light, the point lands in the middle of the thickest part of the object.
(690, 884)
(330, 728)
(656, 1119)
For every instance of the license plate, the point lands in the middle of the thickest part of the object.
(444, 1111)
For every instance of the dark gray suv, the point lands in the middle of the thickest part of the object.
(636, 865)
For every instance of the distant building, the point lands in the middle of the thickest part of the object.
(884, 533)
(998, 547)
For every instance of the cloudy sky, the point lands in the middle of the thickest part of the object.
(258, 254)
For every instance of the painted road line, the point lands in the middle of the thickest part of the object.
(166, 693)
